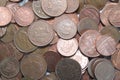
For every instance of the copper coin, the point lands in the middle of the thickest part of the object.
(111, 31)
(3, 31)
(90, 11)
(24, 16)
(114, 19)
(105, 13)
(65, 27)
(3, 2)
(117, 75)
(9, 67)
(72, 6)
(37, 8)
(68, 69)
(5, 16)
(22, 42)
(40, 33)
(87, 43)
(67, 47)
(33, 66)
(52, 59)
(104, 71)
(86, 24)
(54, 7)
(105, 45)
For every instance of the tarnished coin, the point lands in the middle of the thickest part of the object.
(11, 30)
(86, 24)
(90, 11)
(37, 8)
(33, 66)
(67, 47)
(72, 6)
(3, 2)
(105, 45)
(22, 42)
(9, 67)
(105, 13)
(40, 33)
(3, 31)
(68, 69)
(52, 59)
(87, 43)
(65, 27)
(24, 16)
(54, 7)
(5, 16)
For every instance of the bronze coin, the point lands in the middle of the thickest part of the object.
(9, 67)
(37, 8)
(72, 6)
(105, 13)
(24, 16)
(68, 69)
(105, 45)
(22, 42)
(90, 11)
(33, 66)
(3, 31)
(86, 24)
(52, 59)
(3, 2)
(40, 33)
(87, 43)
(54, 7)
(117, 75)
(5, 16)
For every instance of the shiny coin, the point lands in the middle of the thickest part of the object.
(40, 33)
(67, 47)
(3, 31)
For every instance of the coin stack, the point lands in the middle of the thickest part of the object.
(59, 40)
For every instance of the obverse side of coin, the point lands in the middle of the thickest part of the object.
(67, 47)
(22, 42)
(68, 69)
(37, 8)
(40, 33)
(33, 66)
(105, 45)
(9, 67)
(54, 7)
(72, 6)
(87, 43)
(3, 31)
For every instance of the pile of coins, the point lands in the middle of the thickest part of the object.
(59, 40)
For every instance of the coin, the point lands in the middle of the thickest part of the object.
(87, 43)
(9, 67)
(54, 7)
(105, 45)
(52, 59)
(85, 76)
(40, 33)
(24, 16)
(33, 66)
(72, 6)
(5, 16)
(86, 24)
(37, 8)
(68, 69)
(67, 47)
(3, 2)
(3, 31)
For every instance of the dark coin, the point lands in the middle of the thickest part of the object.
(37, 8)
(52, 59)
(22, 42)
(3, 31)
(86, 24)
(9, 67)
(40, 33)
(3, 2)
(54, 7)
(68, 69)
(33, 66)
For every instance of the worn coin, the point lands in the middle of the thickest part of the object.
(40, 33)
(67, 47)
(9, 67)
(3, 31)
(68, 69)
(54, 7)
(87, 43)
